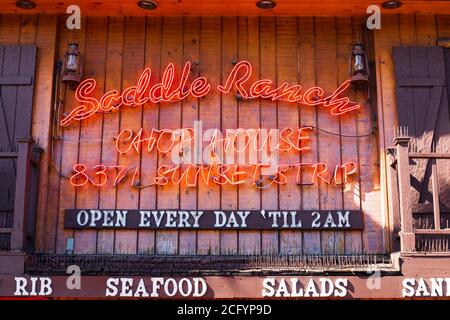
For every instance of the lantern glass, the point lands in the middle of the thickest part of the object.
(359, 63)
(72, 63)
(358, 58)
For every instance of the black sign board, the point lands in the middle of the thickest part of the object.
(214, 219)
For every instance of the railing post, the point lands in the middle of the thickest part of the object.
(407, 237)
(393, 199)
(435, 186)
(22, 196)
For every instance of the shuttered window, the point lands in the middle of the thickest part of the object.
(17, 68)
(423, 77)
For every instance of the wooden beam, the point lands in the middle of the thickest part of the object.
(435, 186)
(229, 120)
(420, 82)
(392, 186)
(111, 123)
(404, 185)
(8, 155)
(432, 231)
(42, 115)
(22, 196)
(228, 7)
(15, 80)
(429, 155)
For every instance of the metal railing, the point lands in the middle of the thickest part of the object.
(208, 264)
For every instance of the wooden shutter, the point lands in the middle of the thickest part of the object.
(17, 68)
(423, 107)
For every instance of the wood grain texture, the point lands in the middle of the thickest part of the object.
(287, 51)
(7, 166)
(443, 25)
(229, 120)
(268, 70)
(16, 98)
(408, 31)
(111, 123)
(428, 123)
(28, 29)
(190, 113)
(10, 29)
(369, 171)
(46, 30)
(288, 116)
(308, 117)
(303, 50)
(422, 108)
(426, 29)
(349, 145)
(386, 113)
(249, 118)
(228, 7)
(208, 242)
(69, 143)
(91, 130)
(423, 32)
(169, 117)
(149, 160)
(48, 203)
(326, 68)
(132, 65)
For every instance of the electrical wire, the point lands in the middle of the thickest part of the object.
(372, 132)
(59, 138)
(345, 135)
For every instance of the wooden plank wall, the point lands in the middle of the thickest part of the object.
(310, 51)
(399, 29)
(306, 50)
(39, 30)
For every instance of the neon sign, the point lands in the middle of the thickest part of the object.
(233, 157)
(253, 140)
(239, 156)
(222, 174)
(170, 90)
(263, 88)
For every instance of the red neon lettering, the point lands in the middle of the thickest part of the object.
(89, 105)
(79, 178)
(345, 170)
(299, 146)
(299, 170)
(110, 101)
(231, 80)
(223, 174)
(101, 175)
(285, 134)
(319, 174)
(242, 72)
(120, 175)
(169, 90)
(280, 178)
(165, 91)
(236, 140)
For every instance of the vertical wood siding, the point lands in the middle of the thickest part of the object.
(309, 51)
(39, 31)
(306, 50)
(405, 30)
